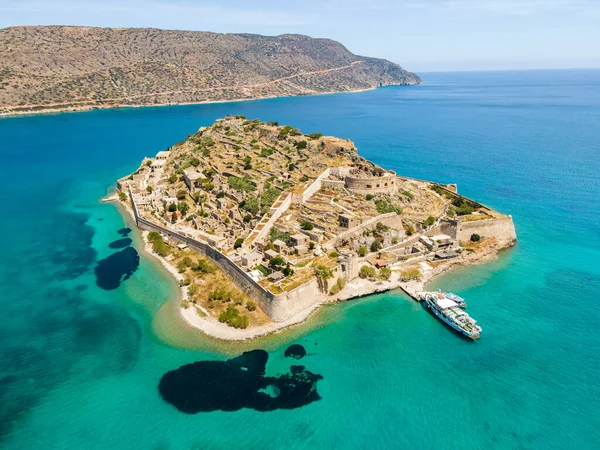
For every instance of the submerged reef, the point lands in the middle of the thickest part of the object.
(237, 383)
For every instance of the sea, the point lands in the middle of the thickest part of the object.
(89, 323)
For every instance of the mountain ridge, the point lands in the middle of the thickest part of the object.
(53, 68)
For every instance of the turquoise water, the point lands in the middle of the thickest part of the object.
(81, 364)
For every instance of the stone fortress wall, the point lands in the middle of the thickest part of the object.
(279, 307)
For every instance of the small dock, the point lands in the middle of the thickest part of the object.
(412, 288)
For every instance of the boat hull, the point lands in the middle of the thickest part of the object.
(449, 323)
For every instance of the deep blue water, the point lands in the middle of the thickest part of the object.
(83, 350)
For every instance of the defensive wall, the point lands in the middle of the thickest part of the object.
(279, 307)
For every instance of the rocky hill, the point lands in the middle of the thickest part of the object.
(62, 68)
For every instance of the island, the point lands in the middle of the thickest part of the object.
(261, 224)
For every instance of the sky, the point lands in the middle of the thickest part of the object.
(420, 35)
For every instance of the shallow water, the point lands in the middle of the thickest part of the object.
(83, 349)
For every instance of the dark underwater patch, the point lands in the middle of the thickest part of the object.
(124, 231)
(295, 351)
(71, 339)
(118, 267)
(120, 243)
(237, 383)
(70, 247)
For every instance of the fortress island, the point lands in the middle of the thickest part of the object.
(262, 224)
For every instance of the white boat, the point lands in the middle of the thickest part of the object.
(449, 312)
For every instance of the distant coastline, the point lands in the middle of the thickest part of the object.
(207, 102)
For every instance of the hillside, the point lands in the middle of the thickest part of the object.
(59, 68)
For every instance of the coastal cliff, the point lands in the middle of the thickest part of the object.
(58, 68)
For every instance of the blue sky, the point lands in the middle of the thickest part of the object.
(421, 35)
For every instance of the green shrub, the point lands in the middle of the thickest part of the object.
(409, 195)
(429, 221)
(204, 266)
(323, 272)
(369, 197)
(306, 225)
(338, 286)
(301, 145)
(315, 135)
(238, 243)
(251, 305)
(410, 274)
(381, 228)
(232, 317)
(183, 208)
(410, 230)
(375, 246)
(219, 295)
(241, 184)
(385, 273)
(475, 238)
(334, 254)
(122, 196)
(262, 270)
(362, 251)
(154, 235)
(384, 206)
(278, 261)
(367, 272)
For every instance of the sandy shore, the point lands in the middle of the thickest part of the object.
(355, 289)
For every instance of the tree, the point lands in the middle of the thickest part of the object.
(375, 246)
(362, 251)
(338, 286)
(410, 274)
(195, 162)
(367, 272)
(174, 217)
(149, 189)
(287, 270)
(429, 221)
(238, 243)
(410, 230)
(122, 196)
(475, 238)
(172, 179)
(276, 261)
(172, 207)
(183, 208)
(385, 273)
